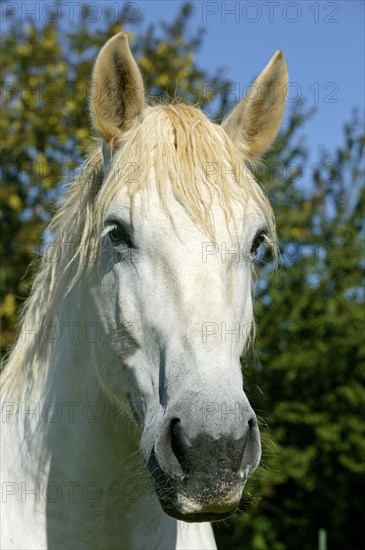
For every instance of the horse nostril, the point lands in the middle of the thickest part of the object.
(252, 423)
(176, 442)
(252, 449)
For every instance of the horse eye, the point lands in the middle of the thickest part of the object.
(260, 237)
(119, 235)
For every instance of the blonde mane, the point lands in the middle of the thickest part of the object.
(189, 155)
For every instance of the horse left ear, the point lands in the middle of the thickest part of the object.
(256, 119)
(117, 93)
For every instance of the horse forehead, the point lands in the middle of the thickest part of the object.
(151, 218)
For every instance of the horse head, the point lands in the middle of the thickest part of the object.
(181, 218)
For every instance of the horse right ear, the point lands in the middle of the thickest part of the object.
(117, 93)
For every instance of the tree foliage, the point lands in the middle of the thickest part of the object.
(305, 376)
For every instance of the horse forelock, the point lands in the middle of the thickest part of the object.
(189, 155)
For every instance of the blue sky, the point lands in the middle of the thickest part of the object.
(323, 43)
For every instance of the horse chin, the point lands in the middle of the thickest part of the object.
(199, 514)
(179, 503)
(194, 499)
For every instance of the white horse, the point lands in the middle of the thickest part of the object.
(124, 420)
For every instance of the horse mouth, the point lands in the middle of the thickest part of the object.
(211, 514)
(194, 500)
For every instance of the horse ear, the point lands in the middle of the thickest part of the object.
(117, 94)
(256, 119)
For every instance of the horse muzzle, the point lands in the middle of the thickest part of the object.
(200, 470)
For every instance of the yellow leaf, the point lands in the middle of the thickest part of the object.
(8, 307)
(15, 202)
